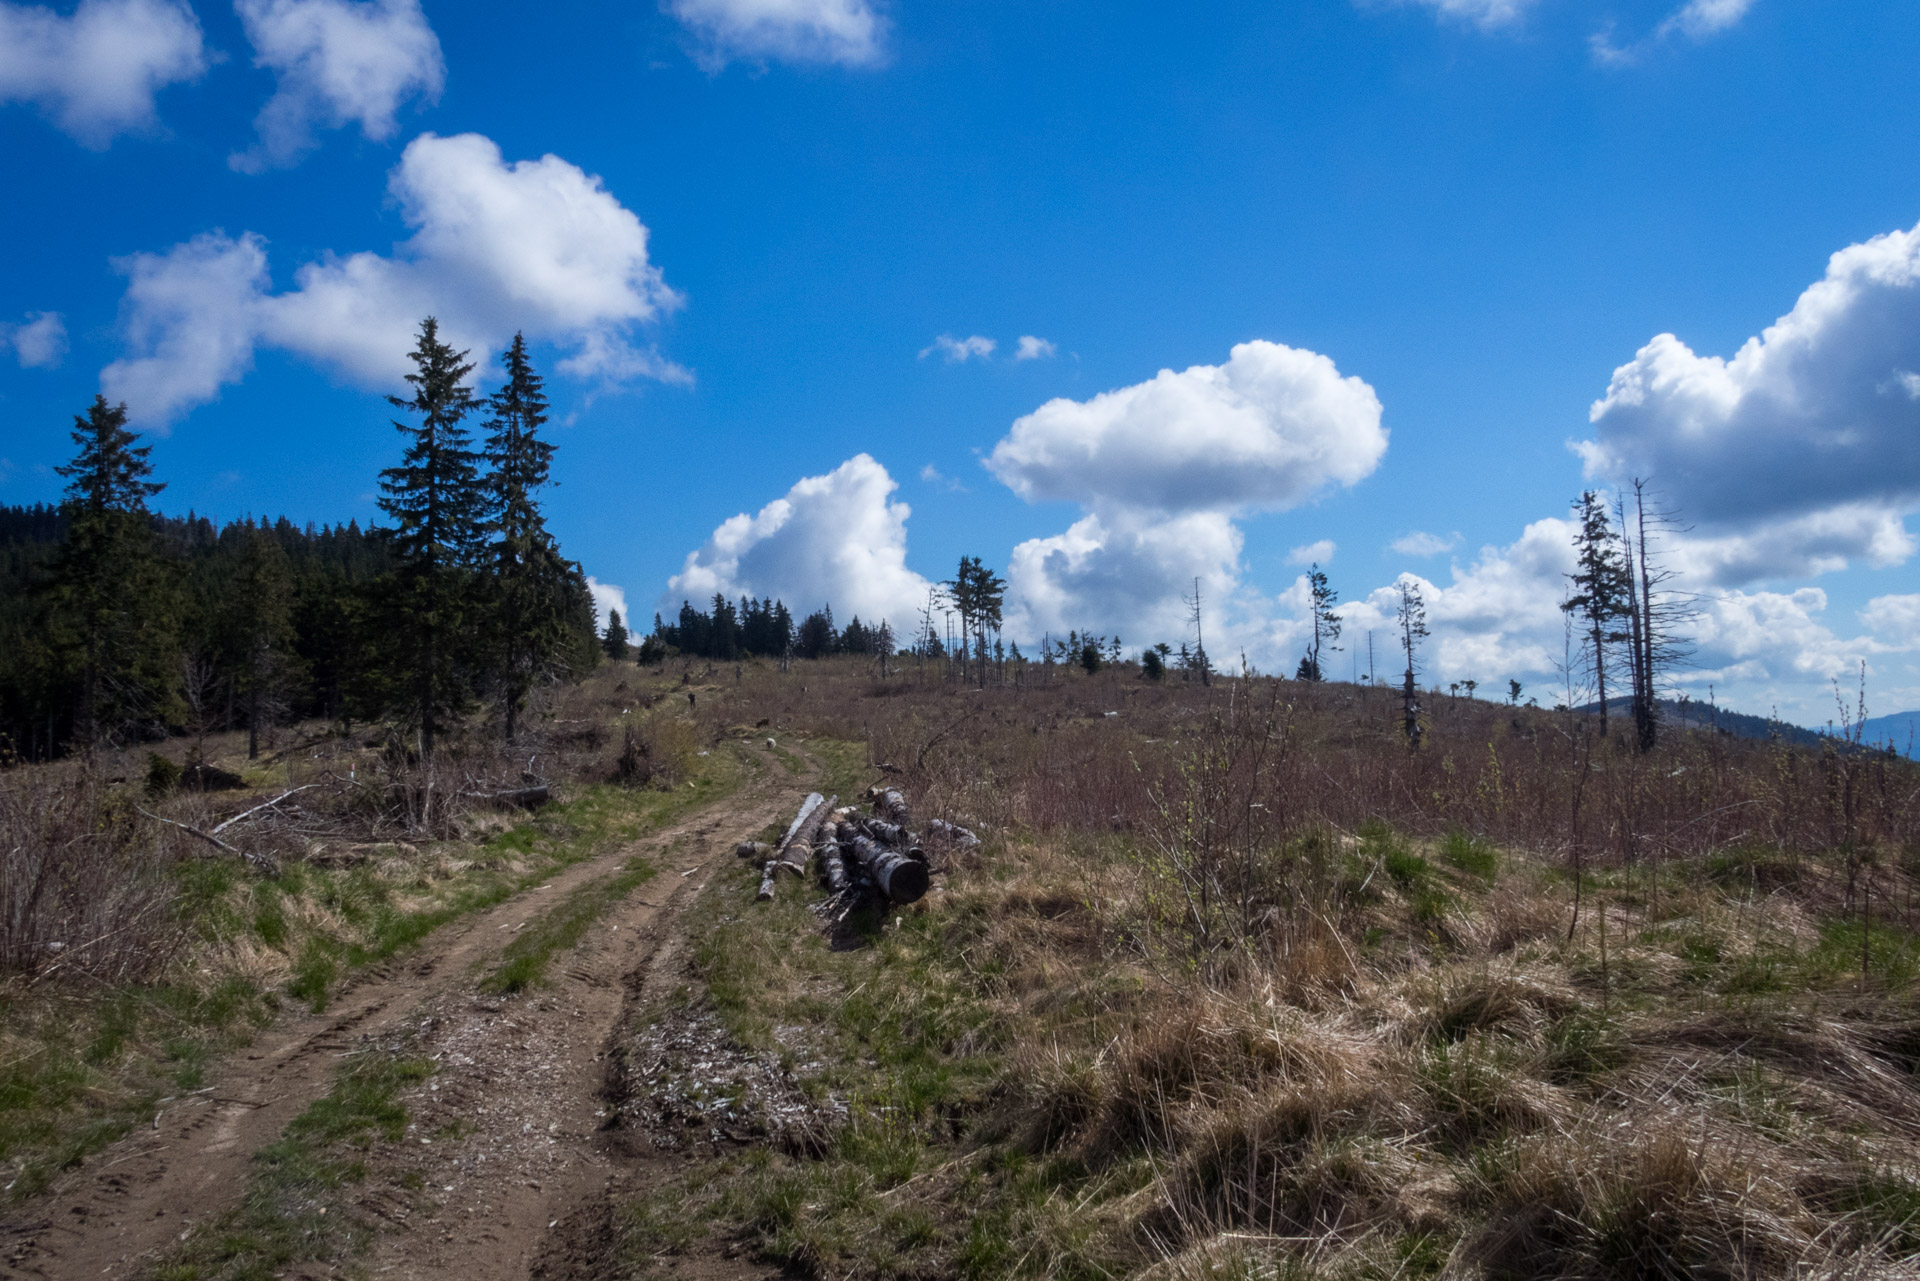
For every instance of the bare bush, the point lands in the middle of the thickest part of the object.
(85, 892)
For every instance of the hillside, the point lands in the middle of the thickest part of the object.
(1900, 731)
(1236, 986)
(1687, 713)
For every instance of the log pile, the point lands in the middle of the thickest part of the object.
(855, 852)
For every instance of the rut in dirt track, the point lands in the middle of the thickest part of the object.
(520, 1078)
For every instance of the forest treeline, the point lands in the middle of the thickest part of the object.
(117, 623)
(761, 629)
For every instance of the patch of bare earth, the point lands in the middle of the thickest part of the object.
(678, 1089)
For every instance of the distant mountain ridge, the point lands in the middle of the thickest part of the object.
(1900, 731)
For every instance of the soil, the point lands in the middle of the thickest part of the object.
(515, 1157)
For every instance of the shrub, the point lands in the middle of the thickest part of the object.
(83, 884)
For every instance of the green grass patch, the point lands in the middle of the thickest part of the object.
(1459, 849)
(293, 1211)
(84, 1071)
(907, 1033)
(561, 928)
(596, 818)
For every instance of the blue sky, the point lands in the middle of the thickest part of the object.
(760, 217)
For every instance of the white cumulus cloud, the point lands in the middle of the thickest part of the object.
(40, 343)
(1894, 620)
(1320, 553)
(536, 245)
(960, 350)
(1810, 423)
(1486, 14)
(95, 71)
(1124, 571)
(607, 597)
(1695, 20)
(849, 32)
(1161, 470)
(1032, 348)
(192, 317)
(1422, 544)
(1498, 617)
(838, 539)
(1268, 429)
(339, 62)
(1698, 19)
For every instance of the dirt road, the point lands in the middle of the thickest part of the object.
(503, 1146)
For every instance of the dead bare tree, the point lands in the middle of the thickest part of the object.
(1199, 637)
(1413, 629)
(1656, 613)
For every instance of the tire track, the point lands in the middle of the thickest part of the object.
(132, 1201)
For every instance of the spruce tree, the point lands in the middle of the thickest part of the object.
(1321, 599)
(110, 608)
(615, 641)
(532, 624)
(435, 500)
(1602, 586)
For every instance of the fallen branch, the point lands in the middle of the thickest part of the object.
(256, 809)
(266, 865)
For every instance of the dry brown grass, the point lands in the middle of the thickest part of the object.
(84, 892)
(1276, 997)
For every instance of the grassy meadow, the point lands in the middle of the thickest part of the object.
(1241, 987)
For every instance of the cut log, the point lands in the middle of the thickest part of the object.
(894, 837)
(833, 866)
(799, 851)
(766, 880)
(813, 802)
(900, 878)
(892, 806)
(952, 833)
(887, 833)
(753, 849)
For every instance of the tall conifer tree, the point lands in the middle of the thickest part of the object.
(1602, 589)
(533, 619)
(110, 607)
(1321, 598)
(258, 620)
(435, 500)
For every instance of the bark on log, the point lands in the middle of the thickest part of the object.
(900, 878)
(887, 833)
(814, 801)
(833, 867)
(799, 850)
(753, 849)
(892, 806)
(766, 880)
(894, 837)
(958, 836)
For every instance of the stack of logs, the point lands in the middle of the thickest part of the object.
(880, 850)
